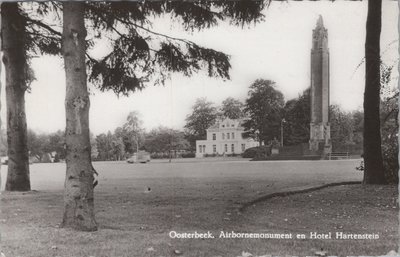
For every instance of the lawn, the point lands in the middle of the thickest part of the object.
(201, 196)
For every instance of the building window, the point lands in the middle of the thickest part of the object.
(200, 148)
(233, 135)
(223, 136)
(223, 126)
(227, 136)
(233, 148)
(214, 136)
(204, 148)
(243, 147)
(226, 148)
(214, 148)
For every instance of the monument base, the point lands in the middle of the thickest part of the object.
(320, 142)
(320, 147)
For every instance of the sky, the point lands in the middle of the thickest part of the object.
(277, 49)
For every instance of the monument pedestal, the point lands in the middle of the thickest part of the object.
(320, 141)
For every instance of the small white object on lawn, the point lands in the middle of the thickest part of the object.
(245, 254)
(150, 249)
(392, 253)
(321, 253)
(177, 252)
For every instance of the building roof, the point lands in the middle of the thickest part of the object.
(236, 122)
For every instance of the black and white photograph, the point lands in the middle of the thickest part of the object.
(243, 128)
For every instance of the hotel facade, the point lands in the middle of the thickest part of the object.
(224, 138)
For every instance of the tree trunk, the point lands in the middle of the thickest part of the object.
(78, 194)
(1, 48)
(13, 45)
(373, 173)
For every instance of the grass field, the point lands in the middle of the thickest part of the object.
(201, 196)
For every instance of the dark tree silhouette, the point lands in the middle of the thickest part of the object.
(264, 107)
(14, 45)
(232, 108)
(297, 116)
(203, 116)
(373, 172)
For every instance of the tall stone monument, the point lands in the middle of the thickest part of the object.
(320, 140)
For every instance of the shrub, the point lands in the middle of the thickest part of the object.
(159, 156)
(249, 152)
(390, 154)
(389, 136)
(188, 155)
(257, 152)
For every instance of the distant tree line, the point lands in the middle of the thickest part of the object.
(262, 113)
(161, 142)
(265, 112)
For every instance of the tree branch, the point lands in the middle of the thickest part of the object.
(141, 27)
(41, 24)
(385, 119)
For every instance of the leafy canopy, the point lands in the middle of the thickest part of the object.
(203, 116)
(232, 108)
(264, 107)
(140, 55)
(297, 119)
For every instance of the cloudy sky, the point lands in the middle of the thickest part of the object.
(277, 49)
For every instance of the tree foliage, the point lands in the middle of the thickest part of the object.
(264, 107)
(390, 145)
(203, 116)
(133, 132)
(163, 139)
(40, 144)
(389, 113)
(232, 108)
(141, 55)
(343, 126)
(125, 140)
(297, 119)
(107, 147)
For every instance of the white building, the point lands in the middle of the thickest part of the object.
(224, 138)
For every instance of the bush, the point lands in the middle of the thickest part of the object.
(188, 155)
(159, 156)
(389, 136)
(257, 152)
(250, 152)
(390, 154)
